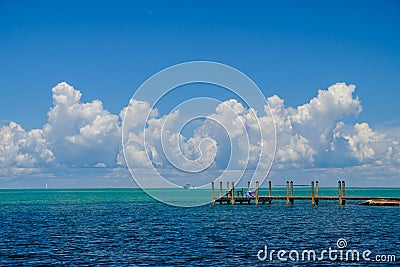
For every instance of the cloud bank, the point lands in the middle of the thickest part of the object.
(313, 135)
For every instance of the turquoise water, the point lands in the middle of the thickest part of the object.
(122, 227)
(180, 196)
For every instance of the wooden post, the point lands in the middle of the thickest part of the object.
(287, 192)
(291, 193)
(312, 194)
(257, 193)
(339, 193)
(270, 191)
(248, 191)
(343, 193)
(291, 188)
(220, 189)
(233, 193)
(316, 193)
(212, 193)
(227, 188)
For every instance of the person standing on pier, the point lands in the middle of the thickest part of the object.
(250, 193)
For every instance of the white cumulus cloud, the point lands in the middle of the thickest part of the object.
(22, 152)
(81, 134)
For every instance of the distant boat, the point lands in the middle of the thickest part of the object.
(46, 186)
(187, 186)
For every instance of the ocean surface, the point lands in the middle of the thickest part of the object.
(126, 227)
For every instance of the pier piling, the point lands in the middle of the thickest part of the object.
(233, 193)
(316, 193)
(291, 193)
(312, 194)
(287, 192)
(212, 193)
(270, 191)
(257, 193)
(248, 190)
(343, 193)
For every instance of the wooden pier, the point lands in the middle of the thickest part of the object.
(233, 196)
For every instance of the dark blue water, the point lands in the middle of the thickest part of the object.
(124, 228)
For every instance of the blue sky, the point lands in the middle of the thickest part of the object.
(289, 48)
